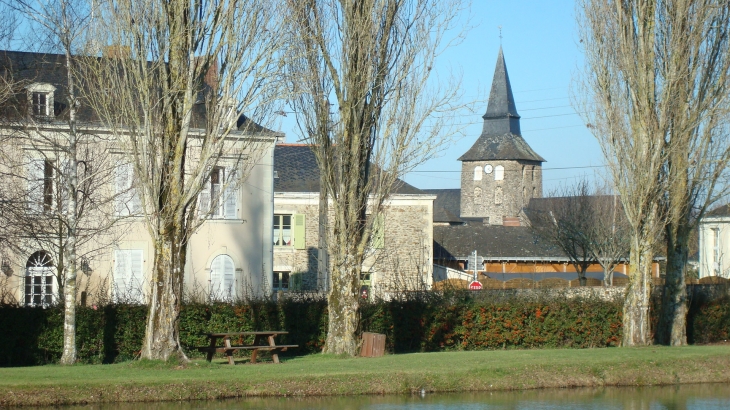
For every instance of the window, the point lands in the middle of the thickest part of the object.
(478, 173)
(128, 279)
(222, 278)
(287, 235)
(498, 195)
(534, 171)
(126, 201)
(40, 185)
(477, 196)
(498, 173)
(377, 236)
(219, 197)
(281, 281)
(40, 99)
(40, 283)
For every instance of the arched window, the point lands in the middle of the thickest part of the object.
(534, 173)
(534, 191)
(498, 195)
(478, 173)
(498, 173)
(477, 196)
(40, 283)
(222, 278)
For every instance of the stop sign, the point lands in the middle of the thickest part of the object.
(475, 285)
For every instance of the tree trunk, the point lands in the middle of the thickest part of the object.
(162, 336)
(342, 303)
(672, 329)
(322, 260)
(636, 306)
(70, 214)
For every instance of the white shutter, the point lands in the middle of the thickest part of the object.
(63, 181)
(136, 275)
(121, 183)
(135, 203)
(230, 204)
(121, 274)
(216, 270)
(204, 196)
(228, 279)
(35, 174)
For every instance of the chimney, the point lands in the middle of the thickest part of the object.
(510, 221)
(117, 51)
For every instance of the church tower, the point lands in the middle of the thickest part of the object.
(500, 173)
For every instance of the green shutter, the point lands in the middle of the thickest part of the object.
(299, 231)
(378, 234)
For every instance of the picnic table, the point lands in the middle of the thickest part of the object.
(263, 340)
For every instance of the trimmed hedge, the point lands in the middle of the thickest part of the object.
(114, 333)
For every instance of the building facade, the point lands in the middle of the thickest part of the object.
(229, 256)
(401, 251)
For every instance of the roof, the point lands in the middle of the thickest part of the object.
(491, 241)
(27, 68)
(723, 210)
(501, 137)
(296, 170)
(447, 205)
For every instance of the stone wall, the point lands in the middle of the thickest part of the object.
(495, 199)
(404, 262)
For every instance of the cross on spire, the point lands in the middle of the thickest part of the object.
(500, 34)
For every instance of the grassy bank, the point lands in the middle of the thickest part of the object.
(406, 373)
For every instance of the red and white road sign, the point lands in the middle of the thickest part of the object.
(475, 285)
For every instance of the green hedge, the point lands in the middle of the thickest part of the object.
(114, 333)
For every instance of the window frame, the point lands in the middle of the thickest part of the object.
(277, 277)
(39, 109)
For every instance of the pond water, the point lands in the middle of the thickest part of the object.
(689, 397)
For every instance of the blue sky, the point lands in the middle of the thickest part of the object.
(540, 44)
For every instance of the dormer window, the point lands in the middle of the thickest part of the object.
(40, 97)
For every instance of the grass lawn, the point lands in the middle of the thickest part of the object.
(328, 375)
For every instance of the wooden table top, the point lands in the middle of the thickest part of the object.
(271, 333)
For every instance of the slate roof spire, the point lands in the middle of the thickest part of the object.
(501, 115)
(501, 138)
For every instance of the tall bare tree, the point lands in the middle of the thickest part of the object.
(359, 74)
(182, 75)
(64, 23)
(565, 218)
(656, 71)
(609, 235)
(695, 62)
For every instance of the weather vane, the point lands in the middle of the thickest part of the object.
(500, 34)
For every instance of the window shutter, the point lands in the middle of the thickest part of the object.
(228, 278)
(136, 204)
(35, 173)
(135, 275)
(216, 269)
(204, 196)
(378, 234)
(121, 274)
(63, 181)
(299, 231)
(230, 204)
(121, 184)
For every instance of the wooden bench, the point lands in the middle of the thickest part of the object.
(263, 340)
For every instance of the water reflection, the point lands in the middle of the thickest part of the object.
(690, 397)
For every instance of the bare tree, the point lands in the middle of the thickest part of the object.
(182, 75)
(657, 74)
(64, 23)
(609, 235)
(565, 218)
(359, 74)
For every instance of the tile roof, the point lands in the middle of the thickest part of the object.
(723, 210)
(296, 170)
(27, 68)
(501, 137)
(447, 205)
(491, 241)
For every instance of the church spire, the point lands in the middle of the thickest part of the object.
(501, 116)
